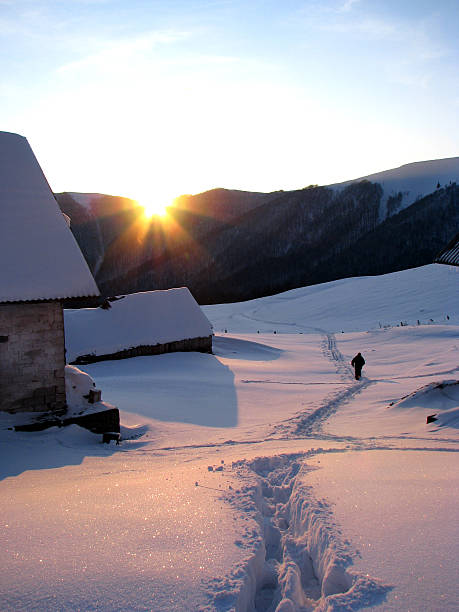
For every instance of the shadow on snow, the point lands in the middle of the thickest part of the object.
(235, 348)
(190, 388)
(52, 448)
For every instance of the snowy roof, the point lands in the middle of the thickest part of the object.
(450, 254)
(149, 318)
(41, 259)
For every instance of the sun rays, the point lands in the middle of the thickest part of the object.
(155, 204)
(156, 229)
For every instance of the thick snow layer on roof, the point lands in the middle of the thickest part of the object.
(149, 318)
(40, 258)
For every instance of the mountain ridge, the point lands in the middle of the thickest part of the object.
(235, 245)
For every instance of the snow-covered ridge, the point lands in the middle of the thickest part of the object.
(85, 199)
(402, 186)
(413, 181)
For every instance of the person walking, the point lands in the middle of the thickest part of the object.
(357, 363)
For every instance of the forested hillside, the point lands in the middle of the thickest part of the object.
(231, 246)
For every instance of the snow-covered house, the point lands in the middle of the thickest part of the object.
(41, 266)
(450, 254)
(148, 323)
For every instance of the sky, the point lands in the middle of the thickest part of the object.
(150, 99)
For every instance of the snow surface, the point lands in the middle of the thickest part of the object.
(414, 180)
(263, 477)
(427, 294)
(40, 257)
(85, 199)
(396, 503)
(148, 318)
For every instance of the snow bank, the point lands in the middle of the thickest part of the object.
(77, 385)
(439, 398)
(149, 318)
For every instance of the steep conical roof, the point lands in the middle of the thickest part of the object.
(40, 258)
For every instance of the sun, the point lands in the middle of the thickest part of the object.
(154, 207)
(155, 203)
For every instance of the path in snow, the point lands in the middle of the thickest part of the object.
(306, 559)
(310, 422)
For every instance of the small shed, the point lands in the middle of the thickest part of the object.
(147, 323)
(450, 254)
(41, 266)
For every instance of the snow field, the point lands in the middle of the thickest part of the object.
(300, 563)
(129, 534)
(240, 392)
(399, 509)
(264, 476)
(399, 362)
(350, 304)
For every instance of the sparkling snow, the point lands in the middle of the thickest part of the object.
(263, 477)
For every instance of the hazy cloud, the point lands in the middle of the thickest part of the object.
(347, 6)
(114, 52)
(368, 26)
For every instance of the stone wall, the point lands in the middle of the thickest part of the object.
(32, 357)
(201, 345)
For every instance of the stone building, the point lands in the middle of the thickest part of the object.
(41, 266)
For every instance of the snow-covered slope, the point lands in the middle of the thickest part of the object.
(412, 181)
(427, 294)
(85, 199)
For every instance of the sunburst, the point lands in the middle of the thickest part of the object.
(154, 207)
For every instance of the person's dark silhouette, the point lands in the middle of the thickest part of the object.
(357, 363)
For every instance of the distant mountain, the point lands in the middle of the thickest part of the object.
(114, 237)
(230, 245)
(97, 222)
